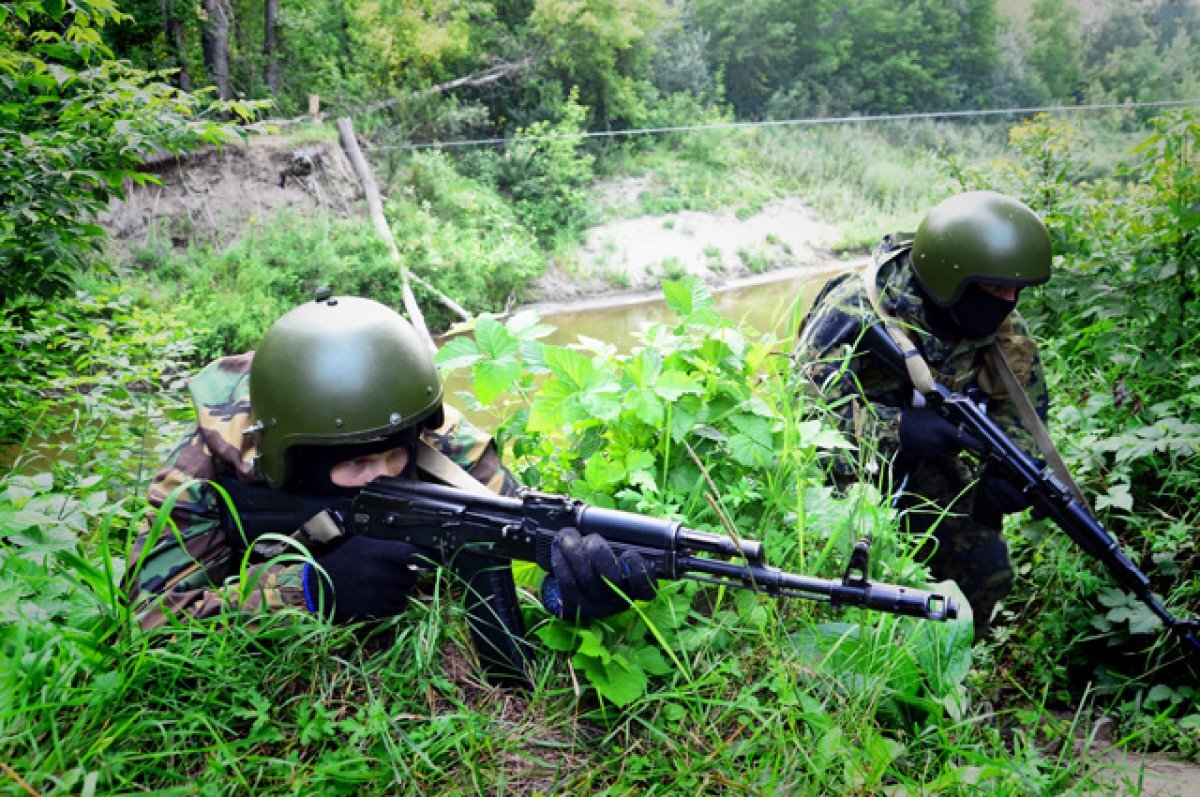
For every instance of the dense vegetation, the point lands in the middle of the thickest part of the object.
(702, 690)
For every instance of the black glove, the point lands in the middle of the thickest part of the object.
(364, 578)
(925, 434)
(1002, 494)
(579, 566)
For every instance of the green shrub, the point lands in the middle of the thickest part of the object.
(68, 360)
(464, 238)
(545, 173)
(74, 123)
(231, 297)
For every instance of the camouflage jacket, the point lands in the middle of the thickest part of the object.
(186, 565)
(867, 398)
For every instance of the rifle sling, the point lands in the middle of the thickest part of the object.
(995, 359)
(447, 471)
(918, 370)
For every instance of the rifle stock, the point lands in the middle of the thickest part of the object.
(1041, 487)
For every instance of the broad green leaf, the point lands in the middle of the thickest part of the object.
(554, 398)
(495, 377)
(673, 384)
(459, 352)
(687, 295)
(1158, 693)
(645, 406)
(944, 649)
(645, 367)
(569, 366)
(591, 644)
(669, 610)
(527, 325)
(684, 414)
(754, 443)
(601, 399)
(1142, 620)
(1118, 497)
(494, 341)
(602, 472)
(558, 635)
(12, 522)
(651, 659)
(619, 682)
(639, 460)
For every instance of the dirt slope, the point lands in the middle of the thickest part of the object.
(212, 196)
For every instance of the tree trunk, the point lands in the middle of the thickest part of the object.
(215, 43)
(176, 36)
(270, 43)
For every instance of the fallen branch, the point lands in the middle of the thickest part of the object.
(492, 75)
(375, 208)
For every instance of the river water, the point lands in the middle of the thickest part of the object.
(765, 303)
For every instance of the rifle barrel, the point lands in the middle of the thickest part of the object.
(859, 593)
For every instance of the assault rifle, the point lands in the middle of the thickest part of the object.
(1045, 492)
(479, 536)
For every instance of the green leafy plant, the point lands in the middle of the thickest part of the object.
(74, 125)
(678, 427)
(546, 170)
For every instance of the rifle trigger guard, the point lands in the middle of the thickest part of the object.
(859, 565)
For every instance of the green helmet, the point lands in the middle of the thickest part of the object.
(979, 236)
(337, 371)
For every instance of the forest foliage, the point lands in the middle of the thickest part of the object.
(701, 688)
(91, 88)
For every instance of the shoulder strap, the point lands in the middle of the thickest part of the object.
(445, 470)
(994, 357)
(918, 370)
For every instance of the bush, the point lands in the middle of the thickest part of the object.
(74, 125)
(231, 297)
(66, 360)
(465, 239)
(545, 172)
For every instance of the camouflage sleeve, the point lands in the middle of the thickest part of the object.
(182, 562)
(862, 398)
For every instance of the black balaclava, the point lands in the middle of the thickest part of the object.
(976, 314)
(311, 465)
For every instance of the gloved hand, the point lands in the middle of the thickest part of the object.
(579, 566)
(1002, 494)
(925, 434)
(364, 578)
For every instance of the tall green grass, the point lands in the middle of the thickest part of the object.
(863, 178)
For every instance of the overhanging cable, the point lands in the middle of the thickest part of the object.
(815, 120)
